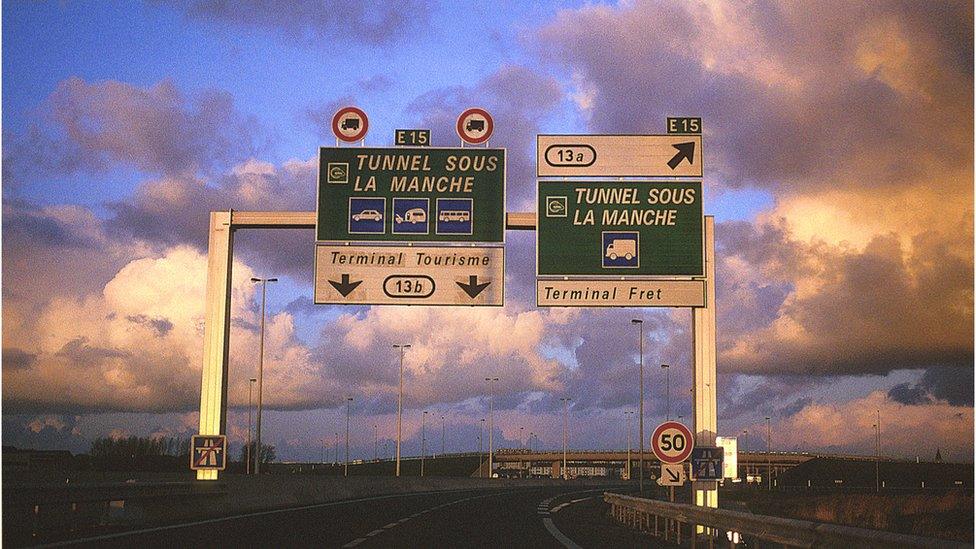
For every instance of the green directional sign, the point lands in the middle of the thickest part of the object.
(411, 194)
(620, 228)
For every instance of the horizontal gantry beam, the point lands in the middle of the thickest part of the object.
(515, 221)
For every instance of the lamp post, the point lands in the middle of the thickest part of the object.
(400, 407)
(345, 471)
(264, 295)
(565, 401)
(250, 387)
(443, 431)
(769, 467)
(375, 455)
(667, 389)
(877, 454)
(423, 442)
(629, 420)
(481, 448)
(336, 448)
(491, 422)
(640, 429)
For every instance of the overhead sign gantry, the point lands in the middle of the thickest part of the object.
(412, 225)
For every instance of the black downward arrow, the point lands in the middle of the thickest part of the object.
(472, 288)
(674, 477)
(685, 150)
(345, 287)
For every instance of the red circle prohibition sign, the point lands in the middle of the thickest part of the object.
(463, 129)
(672, 442)
(357, 124)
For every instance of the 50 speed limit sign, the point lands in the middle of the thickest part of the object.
(672, 442)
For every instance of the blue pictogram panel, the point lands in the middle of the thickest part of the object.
(706, 463)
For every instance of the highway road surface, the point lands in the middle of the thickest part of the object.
(536, 517)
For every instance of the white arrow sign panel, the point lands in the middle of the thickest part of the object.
(619, 155)
(409, 275)
(672, 474)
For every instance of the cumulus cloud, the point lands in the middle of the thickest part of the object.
(906, 430)
(311, 22)
(517, 97)
(93, 127)
(791, 94)
(848, 311)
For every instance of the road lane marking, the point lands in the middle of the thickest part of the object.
(560, 537)
(355, 542)
(551, 526)
(117, 535)
(436, 507)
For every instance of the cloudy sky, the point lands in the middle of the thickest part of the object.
(839, 167)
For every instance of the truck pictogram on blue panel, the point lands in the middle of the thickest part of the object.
(621, 249)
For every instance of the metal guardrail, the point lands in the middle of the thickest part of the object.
(713, 525)
(47, 513)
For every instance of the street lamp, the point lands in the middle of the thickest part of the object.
(375, 456)
(667, 385)
(423, 443)
(336, 462)
(565, 401)
(481, 448)
(631, 414)
(640, 472)
(250, 387)
(877, 455)
(264, 294)
(345, 472)
(400, 406)
(442, 435)
(491, 421)
(769, 468)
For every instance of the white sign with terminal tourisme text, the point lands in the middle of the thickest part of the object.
(409, 275)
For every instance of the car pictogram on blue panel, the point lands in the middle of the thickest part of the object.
(367, 215)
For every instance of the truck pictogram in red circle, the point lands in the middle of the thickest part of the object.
(475, 126)
(350, 124)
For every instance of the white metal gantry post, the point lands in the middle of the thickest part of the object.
(703, 343)
(216, 331)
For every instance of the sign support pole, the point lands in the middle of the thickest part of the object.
(216, 334)
(703, 342)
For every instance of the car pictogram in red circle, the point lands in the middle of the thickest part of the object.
(350, 124)
(672, 442)
(475, 126)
